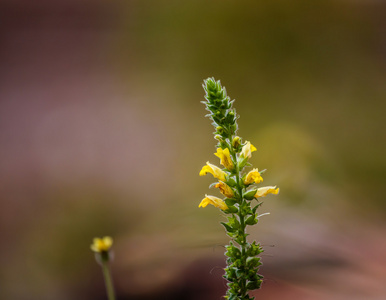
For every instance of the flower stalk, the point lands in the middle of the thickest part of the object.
(102, 249)
(108, 281)
(238, 188)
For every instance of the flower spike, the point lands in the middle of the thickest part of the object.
(242, 257)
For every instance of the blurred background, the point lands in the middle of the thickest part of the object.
(102, 133)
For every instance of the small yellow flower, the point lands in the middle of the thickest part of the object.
(225, 158)
(247, 150)
(101, 245)
(225, 189)
(217, 202)
(214, 170)
(264, 191)
(253, 176)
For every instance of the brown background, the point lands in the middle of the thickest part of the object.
(102, 133)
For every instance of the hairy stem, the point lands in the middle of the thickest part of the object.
(243, 283)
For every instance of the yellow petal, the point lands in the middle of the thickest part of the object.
(96, 245)
(225, 158)
(205, 170)
(217, 202)
(108, 242)
(94, 248)
(247, 150)
(264, 191)
(214, 170)
(204, 202)
(253, 176)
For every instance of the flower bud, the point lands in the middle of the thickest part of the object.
(236, 142)
(230, 117)
(219, 130)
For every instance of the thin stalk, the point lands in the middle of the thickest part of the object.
(108, 281)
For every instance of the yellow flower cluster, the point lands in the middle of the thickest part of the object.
(101, 244)
(223, 175)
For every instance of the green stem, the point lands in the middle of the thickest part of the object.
(243, 283)
(108, 281)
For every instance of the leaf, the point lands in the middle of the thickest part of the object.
(250, 195)
(254, 285)
(253, 262)
(228, 228)
(230, 201)
(242, 162)
(252, 276)
(239, 273)
(232, 297)
(256, 207)
(234, 223)
(239, 240)
(231, 209)
(252, 220)
(254, 249)
(231, 182)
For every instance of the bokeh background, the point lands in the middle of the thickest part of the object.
(102, 133)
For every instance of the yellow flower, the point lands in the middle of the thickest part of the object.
(215, 171)
(101, 245)
(253, 176)
(225, 158)
(217, 202)
(247, 150)
(264, 191)
(225, 189)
